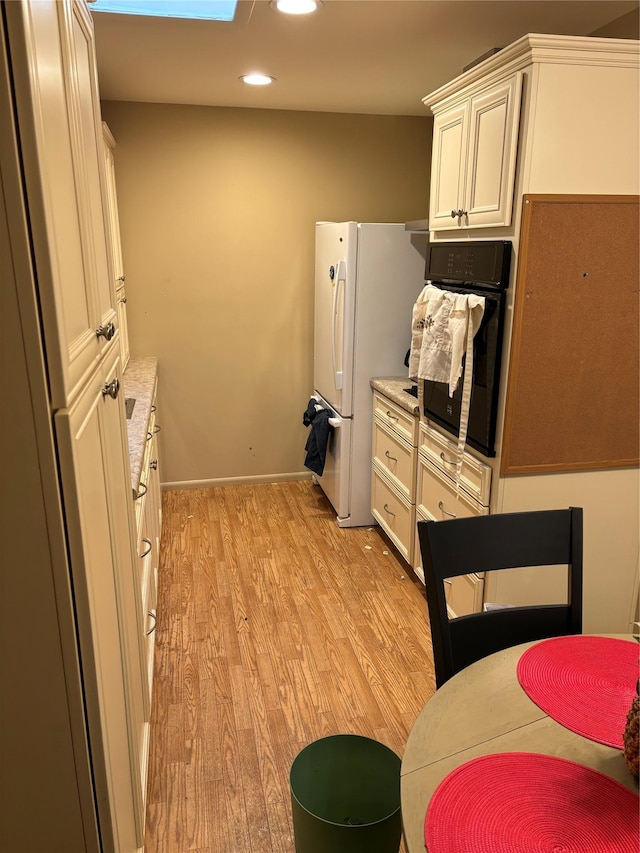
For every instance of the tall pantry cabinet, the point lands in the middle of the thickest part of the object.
(74, 724)
(557, 118)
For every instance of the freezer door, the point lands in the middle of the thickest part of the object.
(335, 292)
(335, 480)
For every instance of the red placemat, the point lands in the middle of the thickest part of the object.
(585, 683)
(521, 802)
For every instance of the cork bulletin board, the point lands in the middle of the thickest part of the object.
(573, 387)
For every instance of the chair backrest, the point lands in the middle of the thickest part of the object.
(486, 543)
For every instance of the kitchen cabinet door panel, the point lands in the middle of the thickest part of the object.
(87, 440)
(85, 111)
(493, 138)
(53, 66)
(448, 167)
(49, 156)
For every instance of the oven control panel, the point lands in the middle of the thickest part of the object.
(483, 262)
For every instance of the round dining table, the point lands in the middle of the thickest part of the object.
(483, 710)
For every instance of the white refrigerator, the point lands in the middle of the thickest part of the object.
(367, 278)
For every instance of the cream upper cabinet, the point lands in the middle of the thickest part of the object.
(112, 223)
(123, 325)
(474, 157)
(58, 113)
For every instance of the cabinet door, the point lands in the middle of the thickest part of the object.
(123, 326)
(57, 104)
(448, 164)
(113, 222)
(494, 118)
(84, 106)
(49, 153)
(97, 497)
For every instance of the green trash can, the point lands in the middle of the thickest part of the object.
(345, 796)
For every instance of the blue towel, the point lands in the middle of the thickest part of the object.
(318, 439)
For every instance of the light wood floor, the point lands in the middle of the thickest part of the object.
(275, 627)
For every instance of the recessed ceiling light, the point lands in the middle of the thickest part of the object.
(257, 79)
(296, 7)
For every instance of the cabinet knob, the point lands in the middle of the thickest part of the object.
(454, 213)
(111, 389)
(120, 278)
(154, 464)
(462, 213)
(106, 332)
(123, 301)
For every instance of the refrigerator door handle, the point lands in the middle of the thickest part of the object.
(340, 276)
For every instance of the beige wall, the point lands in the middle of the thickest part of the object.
(217, 210)
(625, 27)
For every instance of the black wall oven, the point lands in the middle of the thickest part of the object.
(483, 268)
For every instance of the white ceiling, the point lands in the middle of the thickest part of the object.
(358, 56)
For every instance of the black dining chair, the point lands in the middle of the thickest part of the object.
(491, 543)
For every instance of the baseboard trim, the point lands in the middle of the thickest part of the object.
(235, 481)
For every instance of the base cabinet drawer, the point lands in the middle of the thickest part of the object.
(475, 476)
(395, 457)
(465, 595)
(404, 423)
(436, 497)
(417, 555)
(393, 513)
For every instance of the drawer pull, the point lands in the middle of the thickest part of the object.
(393, 417)
(153, 627)
(148, 551)
(156, 430)
(447, 461)
(390, 511)
(389, 456)
(142, 493)
(111, 389)
(446, 511)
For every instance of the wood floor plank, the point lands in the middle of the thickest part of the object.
(196, 806)
(275, 628)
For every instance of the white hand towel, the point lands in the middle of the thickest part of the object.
(443, 327)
